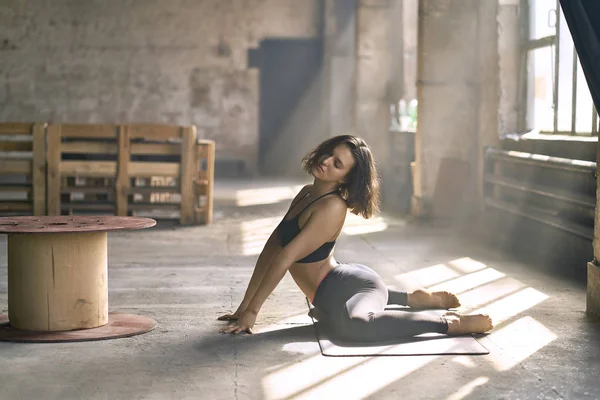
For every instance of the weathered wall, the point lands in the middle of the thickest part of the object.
(328, 106)
(176, 62)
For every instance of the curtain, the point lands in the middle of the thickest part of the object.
(583, 19)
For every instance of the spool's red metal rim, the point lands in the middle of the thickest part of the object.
(72, 223)
(119, 325)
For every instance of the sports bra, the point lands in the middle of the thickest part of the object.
(287, 230)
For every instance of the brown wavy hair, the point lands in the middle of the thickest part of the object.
(361, 185)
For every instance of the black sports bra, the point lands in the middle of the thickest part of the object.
(287, 230)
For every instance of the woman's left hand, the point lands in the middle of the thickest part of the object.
(244, 323)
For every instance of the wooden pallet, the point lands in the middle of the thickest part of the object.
(139, 169)
(82, 164)
(22, 169)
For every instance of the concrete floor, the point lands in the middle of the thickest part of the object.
(543, 346)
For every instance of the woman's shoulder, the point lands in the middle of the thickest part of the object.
(334, 203)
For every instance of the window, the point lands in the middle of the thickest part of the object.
(554, 89)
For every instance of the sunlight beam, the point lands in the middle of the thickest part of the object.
(255, 233)
(356, 225)
(519, 340)
(470, 281)
(487, 293)
(512, 305)
(271, 195)
(366, 378)
(425, 277)
(467, 265)
(468, 388)
(295, 378)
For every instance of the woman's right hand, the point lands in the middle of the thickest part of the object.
(231, 317)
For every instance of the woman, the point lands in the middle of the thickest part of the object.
(351, 297)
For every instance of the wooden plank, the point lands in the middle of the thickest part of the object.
(86, 189)
(16, 155)
(154, 189)
(155, 132)
(19, 137)
(156, 148)
(122, 189)
(53, 136)
(201, 181)
(201, 154)
(202, 190)
(89, 130)
(98, 169)
(89, 148)
(153, 206)
(74, 205)
(15, 146)
(8, 167)
(187, 176)
(147, 169)
(16, 127)
(39, 169)
(210, 175)
(15, 206)
(25, 187)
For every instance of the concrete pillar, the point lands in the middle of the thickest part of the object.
(410, 22)
(379, 75)
(339, 66)
(593, 268)
(509, 49)
(458, 102)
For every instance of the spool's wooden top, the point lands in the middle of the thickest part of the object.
(72, 223)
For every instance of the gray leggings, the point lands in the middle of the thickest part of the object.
(352, 299)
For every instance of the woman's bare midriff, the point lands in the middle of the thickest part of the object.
(308, 276)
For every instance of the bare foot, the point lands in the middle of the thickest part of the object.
(429, 300)
(459, 324)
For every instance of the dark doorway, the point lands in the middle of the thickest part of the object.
(287, 68)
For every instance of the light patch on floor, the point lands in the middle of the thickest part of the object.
(512, 305)
(357, 225)
(488, 293)
(255, 233)
(465, 361)
(469, 281)
(426, 277)
(519, 340)
(268, 195)
(339, 377)
(467, 389)
(467, 265)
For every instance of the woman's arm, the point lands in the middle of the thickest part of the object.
(270, 250)
(322, 224)
(262, 265)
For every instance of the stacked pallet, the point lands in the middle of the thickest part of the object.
(153, 170)
(22, 169)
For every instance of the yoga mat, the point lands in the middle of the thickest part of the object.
(423, 345)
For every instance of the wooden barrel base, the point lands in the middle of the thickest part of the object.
(119, 325)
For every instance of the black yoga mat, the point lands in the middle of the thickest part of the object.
(422, 345)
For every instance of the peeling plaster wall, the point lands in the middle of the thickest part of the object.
(176, 62)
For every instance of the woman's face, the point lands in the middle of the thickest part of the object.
(334, 167)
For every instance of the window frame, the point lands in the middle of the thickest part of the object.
(524, 94)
